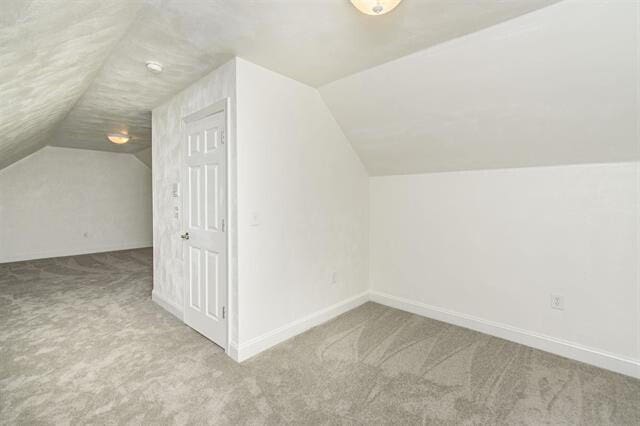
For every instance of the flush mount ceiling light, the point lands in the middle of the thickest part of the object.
(375, 7)
(154, 67)
(118, 138)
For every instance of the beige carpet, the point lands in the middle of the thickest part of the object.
(81, 342)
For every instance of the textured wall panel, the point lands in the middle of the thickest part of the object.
(168, 135)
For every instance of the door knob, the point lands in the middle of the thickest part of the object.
(185, 236)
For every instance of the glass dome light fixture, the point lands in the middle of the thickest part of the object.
(118, 138)
(375, 7)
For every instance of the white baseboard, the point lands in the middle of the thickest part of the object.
(243, 351)
(232, 351)
(74, 251)
(575, 351)
(173, 309)
(246, 350)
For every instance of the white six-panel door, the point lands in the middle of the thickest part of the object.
(204, 218)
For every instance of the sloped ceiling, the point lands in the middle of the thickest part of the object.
(557, 86)
(49, 55)
(72, 71)
(123, 93)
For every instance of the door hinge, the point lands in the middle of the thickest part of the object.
(224, 312)
(223, 137)
(223, 225)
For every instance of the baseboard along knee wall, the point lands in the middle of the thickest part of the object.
(564, 348)
(242, 351)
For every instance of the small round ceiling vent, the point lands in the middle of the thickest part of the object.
(154, 67)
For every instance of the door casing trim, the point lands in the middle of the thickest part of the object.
(221, 105)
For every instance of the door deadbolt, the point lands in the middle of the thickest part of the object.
(185, 236)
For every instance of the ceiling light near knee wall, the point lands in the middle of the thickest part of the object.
(118, 138)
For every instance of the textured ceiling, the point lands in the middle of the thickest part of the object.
(72, 71)
(49, 55)
(123, 93)
(556, 86)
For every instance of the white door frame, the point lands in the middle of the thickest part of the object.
(220, 106)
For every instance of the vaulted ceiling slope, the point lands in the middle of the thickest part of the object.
(49, 55)
(72, 71)
(557, 86)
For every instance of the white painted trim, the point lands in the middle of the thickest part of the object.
(221, 105)
(166, 304)
(575, 351)
(233, 352)
(74, 252)
(567, 349)
(244, 351)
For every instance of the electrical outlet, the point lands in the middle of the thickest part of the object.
(334, 278)
(557, 302)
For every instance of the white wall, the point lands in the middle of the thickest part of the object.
(485, 246)
(555, 86)
(62, 201)
(298, 199)
(302, 207)
(493, 245)
(168, 132)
